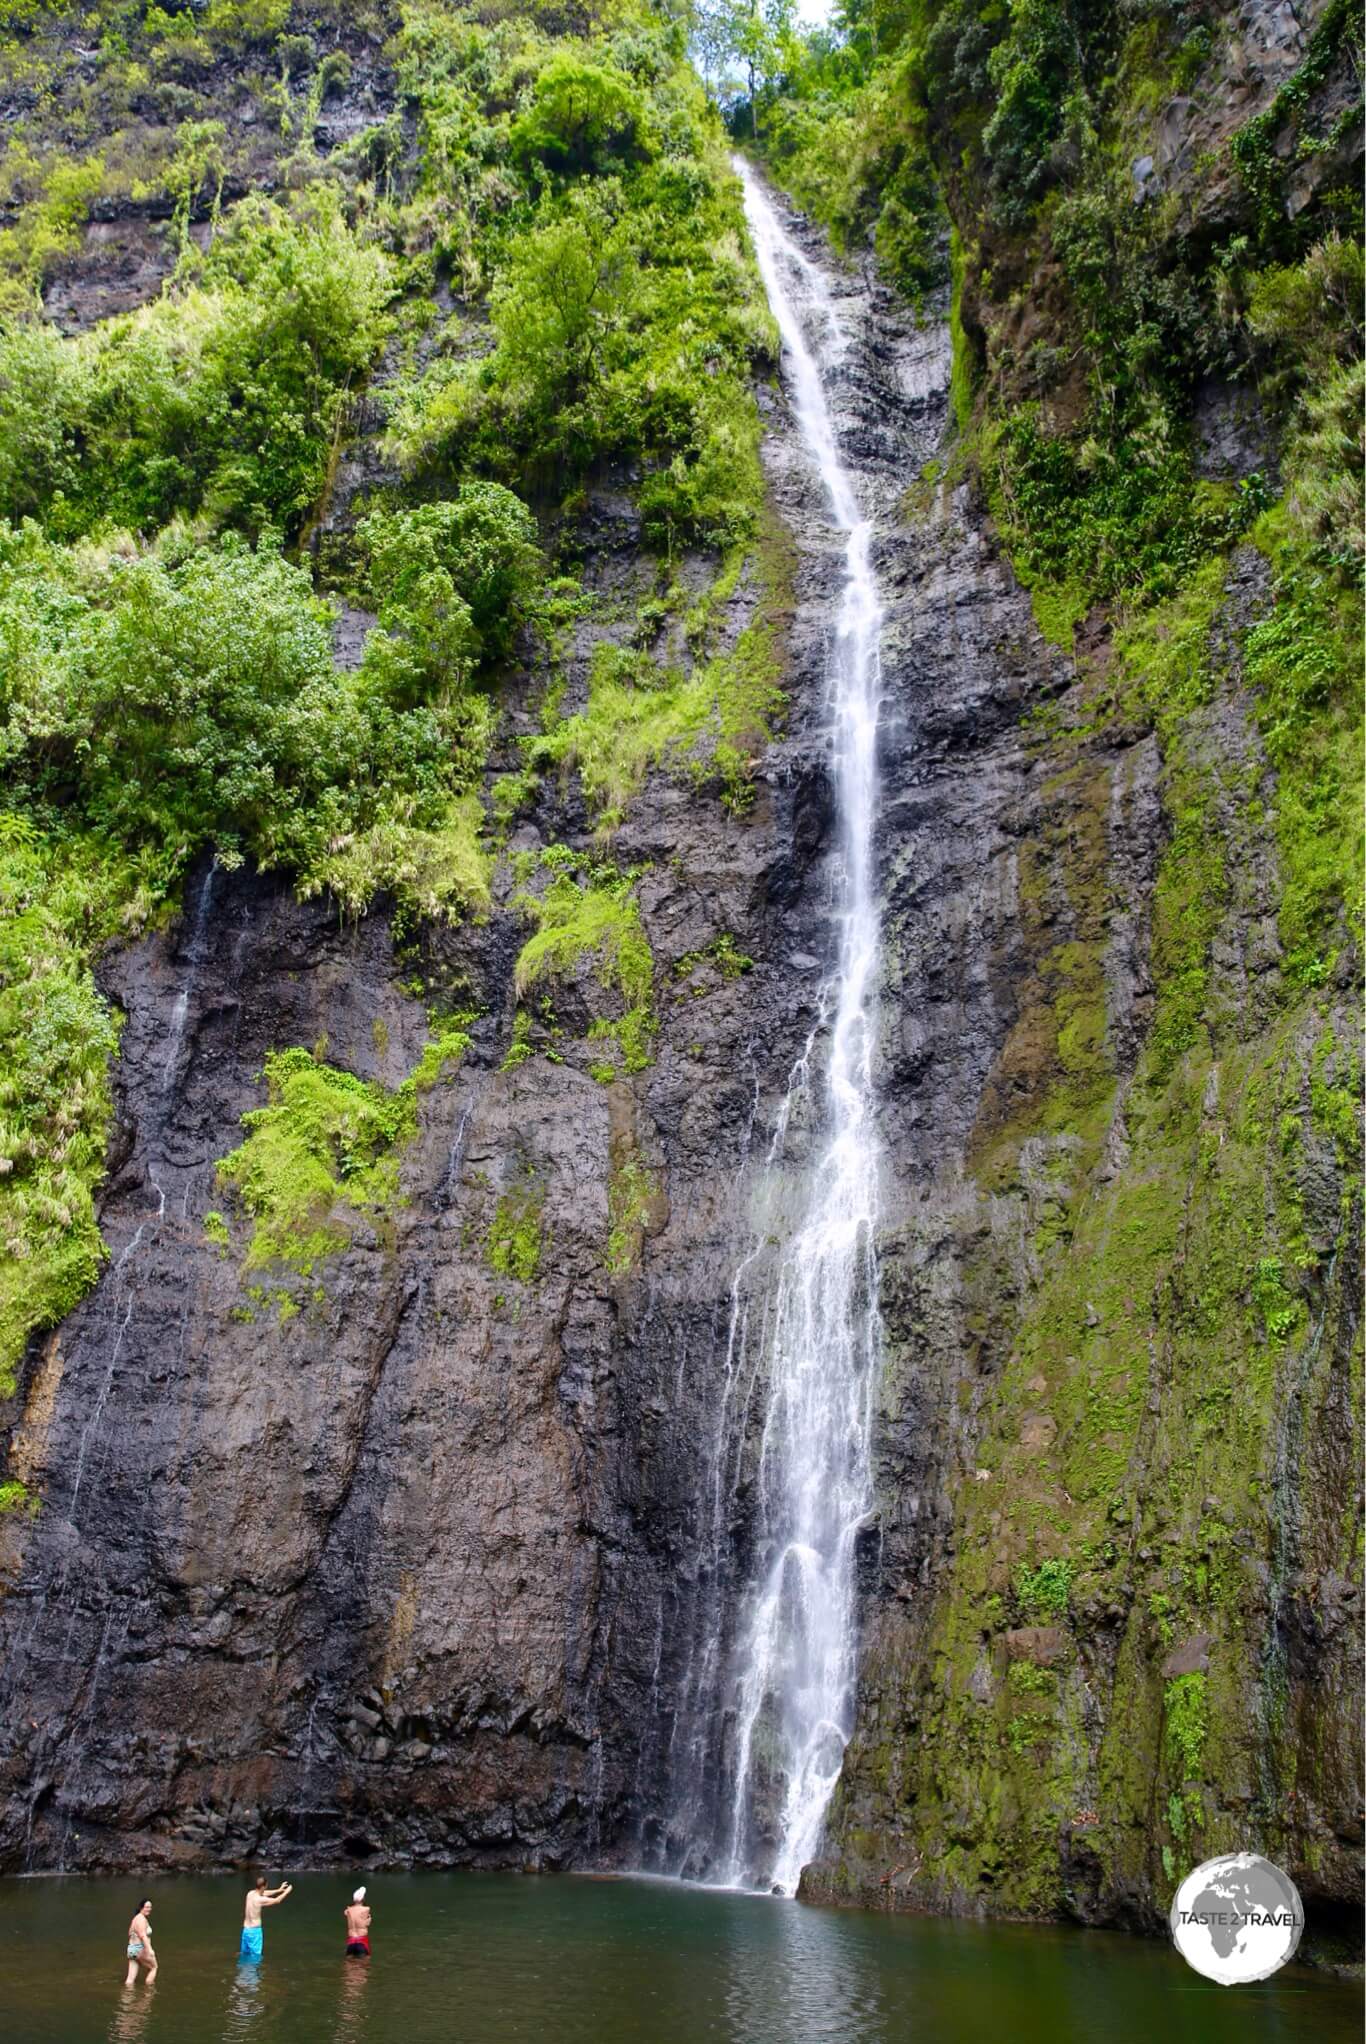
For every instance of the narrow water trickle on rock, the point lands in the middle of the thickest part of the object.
(796, 1643)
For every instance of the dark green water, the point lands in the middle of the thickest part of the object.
(494, 1958)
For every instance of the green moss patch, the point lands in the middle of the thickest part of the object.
(325, 1149)
(632, 1196)
(588, 913)
(516, 1234)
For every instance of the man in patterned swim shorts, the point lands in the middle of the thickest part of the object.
(258, 1898)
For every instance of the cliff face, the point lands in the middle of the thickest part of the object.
(1117, 1596)
(383, 1560)
(1116, 1600)
(411, 1554)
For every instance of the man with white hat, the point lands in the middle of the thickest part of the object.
(357, 1914)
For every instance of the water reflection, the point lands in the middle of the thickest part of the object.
(244, 2003)
(351, 2005)
(808, 1981)
(128, 2023)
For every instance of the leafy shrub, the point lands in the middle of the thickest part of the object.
(564, 291)
(44, 417)
(324, 1142)
(1308, 315)
(1187, 1714)
(1277, 1306)
(1116, 517)
(434, 869)
(223, 397)
(57, 1034)
(1322, 468)
(48, 227)
(186, 703)
(181, 702)
(1042, 1592)
(326, 1147)
(594, 920)
(477, 550)
(1032, 71)
(240, 23)
(582, 117)
(334, 74)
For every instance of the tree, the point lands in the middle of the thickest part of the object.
(456, 574)
(561, 293)
(583, 117)
(752, 33)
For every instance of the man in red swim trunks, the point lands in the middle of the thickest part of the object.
(357, 1914)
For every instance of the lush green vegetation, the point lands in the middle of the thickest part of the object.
(587, 913)
(57, 901)
(167, 682)
(846, 132)
(186, 697)
(516, 1235)
(1187, 1724)
(1085, 318)
(324, 1143)
(707, 722)
(325, 1148)
(1023, 124)
(221, 399)
(632, 1197)
(623, 311)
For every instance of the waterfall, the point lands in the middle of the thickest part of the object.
(194, 956)
(796, 1642)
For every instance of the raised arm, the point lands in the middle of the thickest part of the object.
(274, 1895)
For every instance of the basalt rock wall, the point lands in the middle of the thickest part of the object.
(382, 1567)
(405, 1559)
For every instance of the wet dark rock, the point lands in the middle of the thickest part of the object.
(1040, 1645)
(412, 1571)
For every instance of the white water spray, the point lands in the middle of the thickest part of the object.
(797, 1645)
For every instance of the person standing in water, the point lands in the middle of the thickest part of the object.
(259, 1897)
(140, 1953)
(357, 1915)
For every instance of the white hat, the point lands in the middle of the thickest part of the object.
(359, 1895)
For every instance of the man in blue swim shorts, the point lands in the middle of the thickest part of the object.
(258, 1898)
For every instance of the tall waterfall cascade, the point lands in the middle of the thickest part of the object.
(796, 1646)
